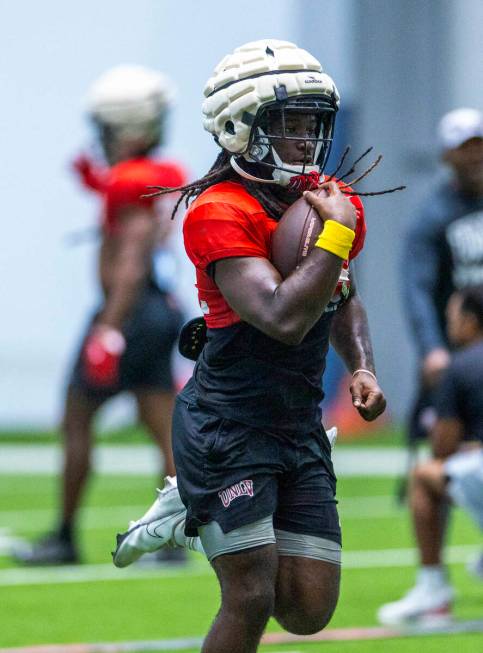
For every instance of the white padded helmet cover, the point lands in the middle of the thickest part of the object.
(129, 94)
(245, 81)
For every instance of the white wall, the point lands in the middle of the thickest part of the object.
(466, 44)
(50, 53)
(327, 29)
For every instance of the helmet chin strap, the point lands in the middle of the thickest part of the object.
(243, 173)
(282, 177)
(283, 174)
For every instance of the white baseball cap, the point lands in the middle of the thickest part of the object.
(458, 126)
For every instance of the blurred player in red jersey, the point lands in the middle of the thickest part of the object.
(129, 341)
(255, 484)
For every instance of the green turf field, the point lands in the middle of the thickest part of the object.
(95, 602)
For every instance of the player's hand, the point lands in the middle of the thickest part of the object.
(102, 355)
(90, 174)
(331, 204)
(82, 165)
(434, 365)
(367, 396)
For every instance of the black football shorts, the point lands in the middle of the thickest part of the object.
(151, 333)
(236, 475)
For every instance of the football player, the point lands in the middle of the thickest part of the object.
(129, 340)
(456, 471)
(255, 484)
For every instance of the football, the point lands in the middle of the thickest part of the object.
(295, 235)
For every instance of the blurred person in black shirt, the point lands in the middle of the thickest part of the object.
(455, 473)
(443, 252)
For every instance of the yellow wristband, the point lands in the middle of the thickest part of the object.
(336, 238)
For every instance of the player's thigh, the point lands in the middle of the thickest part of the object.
(247, 580)
(307, 530)
(308, 580)
(307, 592)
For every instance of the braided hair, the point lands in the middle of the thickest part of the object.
(270, 196)
(221, 170)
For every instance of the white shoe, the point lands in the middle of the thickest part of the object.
(332, 436)
(424, 605)
(155, 528)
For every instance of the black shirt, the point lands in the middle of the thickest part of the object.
(244, 375)
(443, 251)
(460, 394)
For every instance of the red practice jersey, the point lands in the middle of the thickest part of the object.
(124, 185)
(226, 221)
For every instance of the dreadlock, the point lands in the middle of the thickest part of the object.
(221, 170)
(346, 188)
(266, 194)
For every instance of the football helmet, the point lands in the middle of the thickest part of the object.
(128, 103)
(257, 82)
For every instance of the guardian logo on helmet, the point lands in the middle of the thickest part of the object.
(312, 80)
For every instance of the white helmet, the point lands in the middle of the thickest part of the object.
(131, 100)
(258, 78)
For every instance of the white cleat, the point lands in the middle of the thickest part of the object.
(332, 436)
(155, 528)
(424, 605)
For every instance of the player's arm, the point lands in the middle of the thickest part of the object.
(446, 436)
(287, 309)
(124, 266)
(125, 263)
(350, 337)
(420, 274)
(91, 175)
(448, 431)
